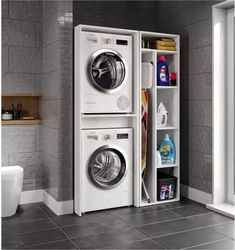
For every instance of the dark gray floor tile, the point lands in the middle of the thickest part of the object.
(110, 238)
(24, 207)
(27, 227)
(224, 244)
(191, 210)
(72, 219)
(120, 212)
(65, 244)
(146, 218)
(189, 223)
(143, 244)
(25, 215)
(66, 220)
(188, 239)
(29, 239)
(226, 229)
(92, 228)
(47, 210)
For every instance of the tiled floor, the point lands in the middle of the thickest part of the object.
(178, 225)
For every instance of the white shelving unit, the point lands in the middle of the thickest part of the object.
(170, 96)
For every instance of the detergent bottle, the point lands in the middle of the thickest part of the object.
(167, 151)
(162, 72)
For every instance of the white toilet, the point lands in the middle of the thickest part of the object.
(12, 181)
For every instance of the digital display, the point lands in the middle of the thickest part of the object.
(122, 136)
(122, 42)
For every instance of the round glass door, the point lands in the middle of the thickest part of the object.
(106, 70)
(107, 167)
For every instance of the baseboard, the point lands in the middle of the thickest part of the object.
(195, 194)
(31, 196)
(223, 208)
(58, 207)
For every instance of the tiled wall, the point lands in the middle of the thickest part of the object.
(21, 66)
(56, 87)
(192, 20)
(21, 45)
(37, 58)
(22, 145)
(137, 15)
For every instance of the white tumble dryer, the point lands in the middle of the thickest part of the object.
(105, 73)
(107, 168)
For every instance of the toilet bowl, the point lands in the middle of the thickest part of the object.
(12, 181)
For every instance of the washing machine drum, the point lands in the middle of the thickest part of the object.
(107, 167)
(107, 71)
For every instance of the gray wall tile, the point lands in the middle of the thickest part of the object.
(5, 59)
(50, 141)
(49, 8)
(200, 113)
(25, 60)
(38, 35)
(201, 184)
(5, 4)
(25, 159)
(33, 184)
(57, 113)
(18, 33)
(18, 139)
(200, 60)
(65, 194)
(18, 83)
(26, 10)
(197, 10)
(50, 29)
(200, 165)
(200, 139)
(200, 34)
(65, 143)
(38, 131)
(200, 87)
(51, 58)
(50, 113)
(57, 85)
(5, 160)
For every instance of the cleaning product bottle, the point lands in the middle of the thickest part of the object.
(159, 158)
(162, 72)
(167, 151)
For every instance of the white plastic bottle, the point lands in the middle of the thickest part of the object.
(159, 158)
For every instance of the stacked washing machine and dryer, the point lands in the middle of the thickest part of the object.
(106, 88)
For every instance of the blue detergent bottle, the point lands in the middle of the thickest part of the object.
(167, 151)
(162, 72)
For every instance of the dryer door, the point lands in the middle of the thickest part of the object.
(107, 167)
(107, 70)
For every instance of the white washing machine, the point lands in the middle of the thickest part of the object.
(106, 73)
(107, 168)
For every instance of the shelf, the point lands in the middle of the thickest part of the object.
(107, 115)
(22, 122)
(167, 201)
(20, 94)
(167, 166)
(167, 128)
(167, 87)
(161, 52)
(144, 202)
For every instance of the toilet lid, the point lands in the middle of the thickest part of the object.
(11, 172)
